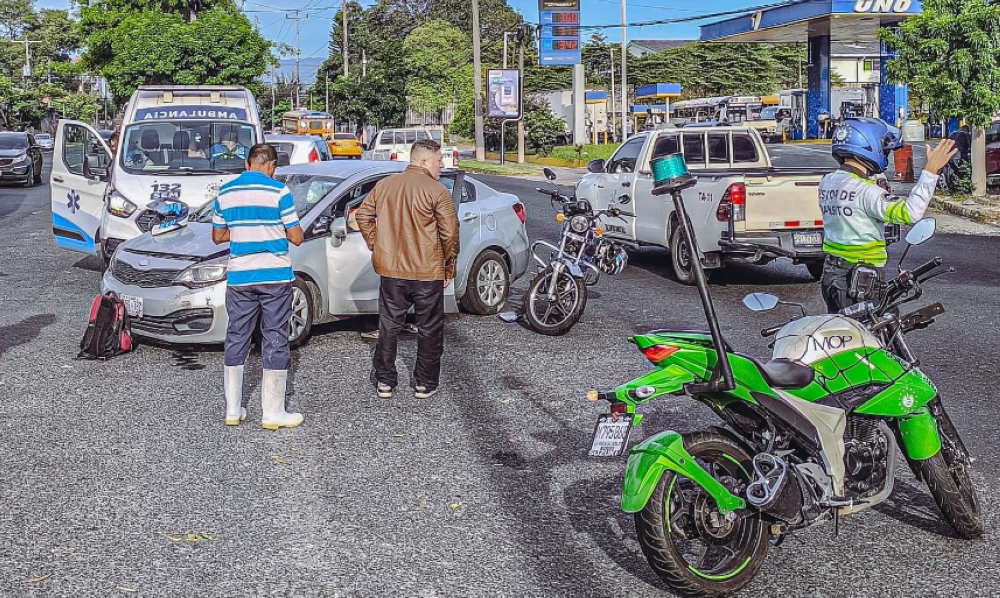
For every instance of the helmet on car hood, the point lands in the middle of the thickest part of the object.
(170, 214)
(868, 140)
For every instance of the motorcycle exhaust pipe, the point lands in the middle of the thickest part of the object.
(772, 490)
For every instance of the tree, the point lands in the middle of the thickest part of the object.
(950, 55)
(136, 42)
(437, 55)
(596, 59)
(541, 127)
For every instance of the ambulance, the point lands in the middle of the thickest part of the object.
(177, 145)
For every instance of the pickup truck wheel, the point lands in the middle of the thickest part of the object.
(680, 258)
(815, 268)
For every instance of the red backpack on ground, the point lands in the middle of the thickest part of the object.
(109, 331)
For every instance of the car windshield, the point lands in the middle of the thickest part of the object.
(15, 141)
(307, 191)
(186, 147)
(768, 113)
(993, 133)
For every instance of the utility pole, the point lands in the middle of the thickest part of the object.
(274, 91)
(478, 83)
(624, 81)
(611, 70)
(26, 71)
(520, 94)
(298, 82)
(343, 11)
(505, 34)
(364, 63)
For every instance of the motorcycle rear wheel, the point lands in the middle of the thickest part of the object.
(683, 547)
(556, 317)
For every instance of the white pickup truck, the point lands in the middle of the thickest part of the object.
(394, 144)
(742, 207)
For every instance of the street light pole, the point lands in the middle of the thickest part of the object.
(298, 19)
(624, 82)
(343, 10)
(478, 83)
(611, 70)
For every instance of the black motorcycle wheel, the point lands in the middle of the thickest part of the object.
(556, 317)
(679, 536)
(947, 477)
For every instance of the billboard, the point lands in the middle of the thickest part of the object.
(559, 42)
(503, 94)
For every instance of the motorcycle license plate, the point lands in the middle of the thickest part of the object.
(611, 435)
(133, 305)
(807, 239)
(575, 237)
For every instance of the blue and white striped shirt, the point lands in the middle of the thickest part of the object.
(257, 210)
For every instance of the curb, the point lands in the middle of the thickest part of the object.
(958, 210)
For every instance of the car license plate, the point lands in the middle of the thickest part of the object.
(611, 435)
(133, 305)
(807, 239)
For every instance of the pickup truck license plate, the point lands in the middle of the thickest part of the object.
(807, 239)
(611, 435)
(133, 305)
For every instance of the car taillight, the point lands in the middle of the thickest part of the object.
(454, 156)
(658, 353)
(519, 210)
(393, 156)
(733, 203)
(314, 156)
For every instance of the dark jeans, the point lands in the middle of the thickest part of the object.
(837, 282)
(274, 303)
(396, 297)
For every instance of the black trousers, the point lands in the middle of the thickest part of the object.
(836, 283)
(396, 298)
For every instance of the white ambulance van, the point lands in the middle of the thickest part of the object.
(177, 144)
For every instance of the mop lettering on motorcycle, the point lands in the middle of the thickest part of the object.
(834, 342)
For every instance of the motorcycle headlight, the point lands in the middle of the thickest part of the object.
(119, 206)
(204, 274)
(579, 224)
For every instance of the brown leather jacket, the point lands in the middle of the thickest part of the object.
(416, 236)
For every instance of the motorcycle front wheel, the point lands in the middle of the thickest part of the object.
(555, 316)
(693, 549)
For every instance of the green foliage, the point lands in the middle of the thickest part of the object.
(437, 55)
(950, 56)
(541, 127)
(132, 43)
(962, 181)
(706, 70)
(586, 153)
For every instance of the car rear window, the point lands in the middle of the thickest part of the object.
(744, 149)
(718, 148)
(694, 148)
(665, 145)
(287, 148)
(345, 136)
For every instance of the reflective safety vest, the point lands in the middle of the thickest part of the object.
(855, 209)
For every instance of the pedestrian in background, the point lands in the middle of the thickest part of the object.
(410, 224)
(256, 215)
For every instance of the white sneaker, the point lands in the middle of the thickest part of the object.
(235, 412)
(421, 392)
(384, 391)
(272, 402)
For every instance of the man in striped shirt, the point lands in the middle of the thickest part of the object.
(256, 215)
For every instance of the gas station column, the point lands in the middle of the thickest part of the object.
(891, 98)
(819, 81)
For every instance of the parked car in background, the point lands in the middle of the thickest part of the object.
(105, 134)
(301, 149)
(45, 141)
(174, 283)
(20, 158)
(345, 145)
(993, 154)
(394, 144)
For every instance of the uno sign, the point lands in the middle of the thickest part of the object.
(882, 5)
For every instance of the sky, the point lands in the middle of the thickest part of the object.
(314, 33)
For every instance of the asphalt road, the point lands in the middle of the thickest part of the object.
(485, 490)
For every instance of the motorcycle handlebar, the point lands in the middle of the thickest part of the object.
(927, 267)
(771, 331)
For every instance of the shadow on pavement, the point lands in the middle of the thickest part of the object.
(913, 506)
(90, 263)
(24, 331)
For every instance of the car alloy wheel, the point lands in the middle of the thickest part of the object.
(491, 283)
(300, 322)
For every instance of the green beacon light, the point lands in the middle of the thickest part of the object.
(670, 174)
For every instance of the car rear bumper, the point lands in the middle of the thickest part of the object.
(176, 314)
(345, 152)
(764, 247)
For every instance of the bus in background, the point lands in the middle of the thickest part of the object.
(308, 122)
(731, 109)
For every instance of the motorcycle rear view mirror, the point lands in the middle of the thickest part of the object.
(549, 173)
(921, 231)
(760, 301)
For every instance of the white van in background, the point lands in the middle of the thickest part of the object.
(394, 144)
(178, 143)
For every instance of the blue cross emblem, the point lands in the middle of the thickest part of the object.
(72, 201)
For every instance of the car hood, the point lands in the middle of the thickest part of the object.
(191, 241)
(195, 190)
(11, 153)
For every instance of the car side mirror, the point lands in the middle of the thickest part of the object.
(760, 301)
(94, 169)
(596, 165)
(284, 159)
(338, 232)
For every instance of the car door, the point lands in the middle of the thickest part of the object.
(77, 201)
(471, 221)
(36, 154)
(652, 212)
(619, 169)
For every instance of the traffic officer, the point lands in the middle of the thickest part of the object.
(855, 208)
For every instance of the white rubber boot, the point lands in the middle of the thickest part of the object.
(235, 412)
(272, 402)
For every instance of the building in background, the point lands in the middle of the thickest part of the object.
(641, 47)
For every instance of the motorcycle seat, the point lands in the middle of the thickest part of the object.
(783, 373)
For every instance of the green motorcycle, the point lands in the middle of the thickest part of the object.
(810, 435)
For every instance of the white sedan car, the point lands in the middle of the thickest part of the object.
(174, 284)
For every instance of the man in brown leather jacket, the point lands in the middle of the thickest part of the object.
(410, 224)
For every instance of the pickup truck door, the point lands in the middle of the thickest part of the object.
(77, 201)
(652, 212)
(619, 170)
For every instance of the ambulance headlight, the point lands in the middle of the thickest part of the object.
(203, 275)
(119, 206)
